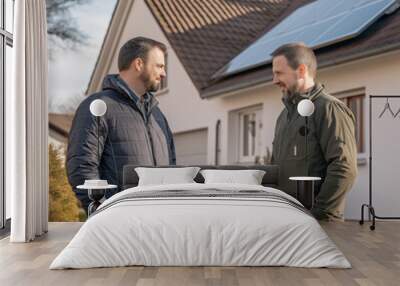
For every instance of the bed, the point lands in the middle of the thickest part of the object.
(198, 224)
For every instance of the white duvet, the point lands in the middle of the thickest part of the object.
(185, 231)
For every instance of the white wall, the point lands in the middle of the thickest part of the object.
(378, 76)
(386, 157)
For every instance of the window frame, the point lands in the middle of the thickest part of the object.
(346, 97)
(257, 113)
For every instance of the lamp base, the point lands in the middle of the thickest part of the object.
(96, 195)
(93, 207)
(305, 190)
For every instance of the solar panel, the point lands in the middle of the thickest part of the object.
(317, 24)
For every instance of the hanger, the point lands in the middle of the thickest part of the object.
(387, 107)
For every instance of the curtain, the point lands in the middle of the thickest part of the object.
(27, 124)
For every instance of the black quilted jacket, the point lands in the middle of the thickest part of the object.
(126, 136)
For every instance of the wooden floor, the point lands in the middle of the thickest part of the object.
(374, 255)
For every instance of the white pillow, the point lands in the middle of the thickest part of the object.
(248, 177)
(162, 176)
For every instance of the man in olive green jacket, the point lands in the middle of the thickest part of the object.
(332, 151)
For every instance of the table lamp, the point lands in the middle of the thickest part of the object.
(96, 187)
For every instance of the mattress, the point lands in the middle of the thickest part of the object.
(201, 225)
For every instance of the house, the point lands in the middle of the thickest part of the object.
(229, 118)
(59, 126)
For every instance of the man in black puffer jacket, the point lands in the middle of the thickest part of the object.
(133, 130)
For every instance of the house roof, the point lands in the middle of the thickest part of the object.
(207, 34)
(61, 123)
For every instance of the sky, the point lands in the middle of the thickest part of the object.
(70, 70)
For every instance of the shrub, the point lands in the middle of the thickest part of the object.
(63, 204)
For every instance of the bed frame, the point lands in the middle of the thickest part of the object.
(130, 178)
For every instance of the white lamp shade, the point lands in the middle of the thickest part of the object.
(305, 107)
(98, 107)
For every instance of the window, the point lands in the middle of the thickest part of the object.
(354, 99)
(6, 43)
(250, 126)
(356, 104)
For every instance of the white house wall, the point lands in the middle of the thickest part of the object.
(378, 76)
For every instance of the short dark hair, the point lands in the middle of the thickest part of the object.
(138, 47)
(297, 54)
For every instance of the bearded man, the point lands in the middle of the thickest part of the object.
(133, 130)
(332, 151)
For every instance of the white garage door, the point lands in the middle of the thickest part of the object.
(191, 147)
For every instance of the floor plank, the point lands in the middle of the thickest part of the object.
(374, 255)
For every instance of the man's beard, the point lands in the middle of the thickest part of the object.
(291, 92)
(151, 86)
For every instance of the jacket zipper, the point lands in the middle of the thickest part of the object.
(150, 138)
(151, 143)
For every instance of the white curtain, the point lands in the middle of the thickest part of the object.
(27, 124)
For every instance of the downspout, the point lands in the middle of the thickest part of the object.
(217, 130)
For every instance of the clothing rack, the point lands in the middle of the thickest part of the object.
(371, 210)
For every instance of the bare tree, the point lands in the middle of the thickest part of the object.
(61, 29)
(62, 105)
(70, 105)
(63, 33)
